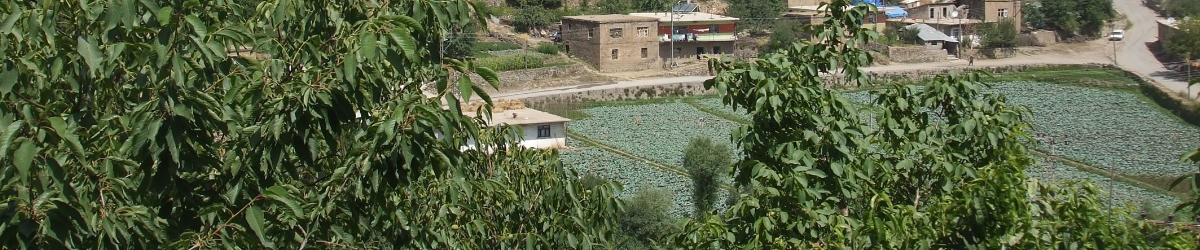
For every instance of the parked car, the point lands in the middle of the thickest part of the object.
(1117, 35)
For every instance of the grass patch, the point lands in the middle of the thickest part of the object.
(494, 46)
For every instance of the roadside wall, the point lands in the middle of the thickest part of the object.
(1041, 38)
(909, 54)
(515, 79)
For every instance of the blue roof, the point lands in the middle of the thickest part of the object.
(894, 12)
(871, 2)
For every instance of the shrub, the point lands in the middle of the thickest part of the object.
(514, 62)
(495, 46)
(645, 218)
(548, 48)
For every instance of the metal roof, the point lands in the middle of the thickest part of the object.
(928, 33)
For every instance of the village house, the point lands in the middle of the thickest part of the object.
(695, 33)
(990, 11)
(809, 12)
(612, 43)
(540, 129)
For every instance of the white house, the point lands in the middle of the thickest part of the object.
(541, 129)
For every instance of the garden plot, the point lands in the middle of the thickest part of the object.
(658, 132)
(1122, 193)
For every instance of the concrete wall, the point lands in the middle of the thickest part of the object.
(1165, 31)
(989, 10)
(940, 11)
(595, 43)
(530, 139)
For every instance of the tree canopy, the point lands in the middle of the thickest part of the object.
(1071, 17)
(706, 163)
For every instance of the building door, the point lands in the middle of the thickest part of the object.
(699, 50)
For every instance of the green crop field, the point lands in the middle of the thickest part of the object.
(632, 174)
(1111, 129)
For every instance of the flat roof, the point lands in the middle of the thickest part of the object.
(685, 17)
(939, 21)
(524, 116)
(1169, 23)
(610, 18)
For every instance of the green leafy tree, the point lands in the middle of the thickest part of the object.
(706, 162)
(531, 17)
(132, 125)
(1061, 15)
(460, 43)
(757, 15)
(1033, 15)
(1186, 40)
(646, 221)
(1093, 15)
(783, 34)
(1002, 34)
(939, 166)
(1182, 8)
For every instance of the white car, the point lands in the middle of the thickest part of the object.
(1116, 35)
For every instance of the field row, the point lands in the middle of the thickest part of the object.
(1123, 194)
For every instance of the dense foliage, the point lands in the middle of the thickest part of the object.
(706, 163)
(1182, 8)
(1186, 40)
(783, 34)
(1002, 34)
(756, 16)
(1071, 17)
(646, 220)
(1033, 15)
(134, 126)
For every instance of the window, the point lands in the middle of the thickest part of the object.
(614, 54)
(1003, 13)
(931, 13)
(712, 28)
(935, 43)
(956, 32)
(591, 32)
(543, 131)
(643, 31)
(944, 14)
(699, 50)
(716, 49)
(645, 52)
(615, 32)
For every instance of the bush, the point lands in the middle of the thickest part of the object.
(548, 48)
(495, 46)
(645, 218)
(1002, 34)
(513, 62)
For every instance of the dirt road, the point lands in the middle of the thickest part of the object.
(1133, 53)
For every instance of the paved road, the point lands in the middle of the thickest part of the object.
(1133, 52)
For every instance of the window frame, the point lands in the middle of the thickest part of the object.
(543, 131)
(616, 54)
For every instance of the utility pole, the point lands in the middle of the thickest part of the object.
(672, 37)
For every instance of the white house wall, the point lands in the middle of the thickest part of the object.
(530, 138)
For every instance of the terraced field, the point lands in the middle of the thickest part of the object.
(1122, 193)
(658, 132)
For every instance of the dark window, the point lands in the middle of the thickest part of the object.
(699, 50)
(645, 52)
(543, 131)
(615, 32)
(614, 54)
(712, 28)
(716, 49)
(591, 32)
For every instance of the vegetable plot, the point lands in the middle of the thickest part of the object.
(658, 132)
(632, 174)
(1123, 193)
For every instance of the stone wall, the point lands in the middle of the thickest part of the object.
(913, 54)
(995, 53)
(632, 93)
(516, 79)
(1040, 38)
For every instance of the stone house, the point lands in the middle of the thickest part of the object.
(612, 43)
(993, 10)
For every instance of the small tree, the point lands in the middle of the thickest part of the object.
(1002, 34)
(461, 41)
(1032, 14)
(784, 33)
(752, 11)
(705, 161)
(646, 218)
(1186, 40)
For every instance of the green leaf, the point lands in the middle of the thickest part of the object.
(465, 88)
(67, 134)
(8, 79)
(197, 25)
(278, 193)
(488, 75)
(13, 16)
(254, 217)
(24, 156)
(6, 138)
(90, 52)
(164, 15)
(407, 44)
(366, 46)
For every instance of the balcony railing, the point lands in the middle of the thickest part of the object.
(694, 37)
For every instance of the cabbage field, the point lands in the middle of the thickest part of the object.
(633, 175)
(1123, 194)
(658, 132)
(1110, 129)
